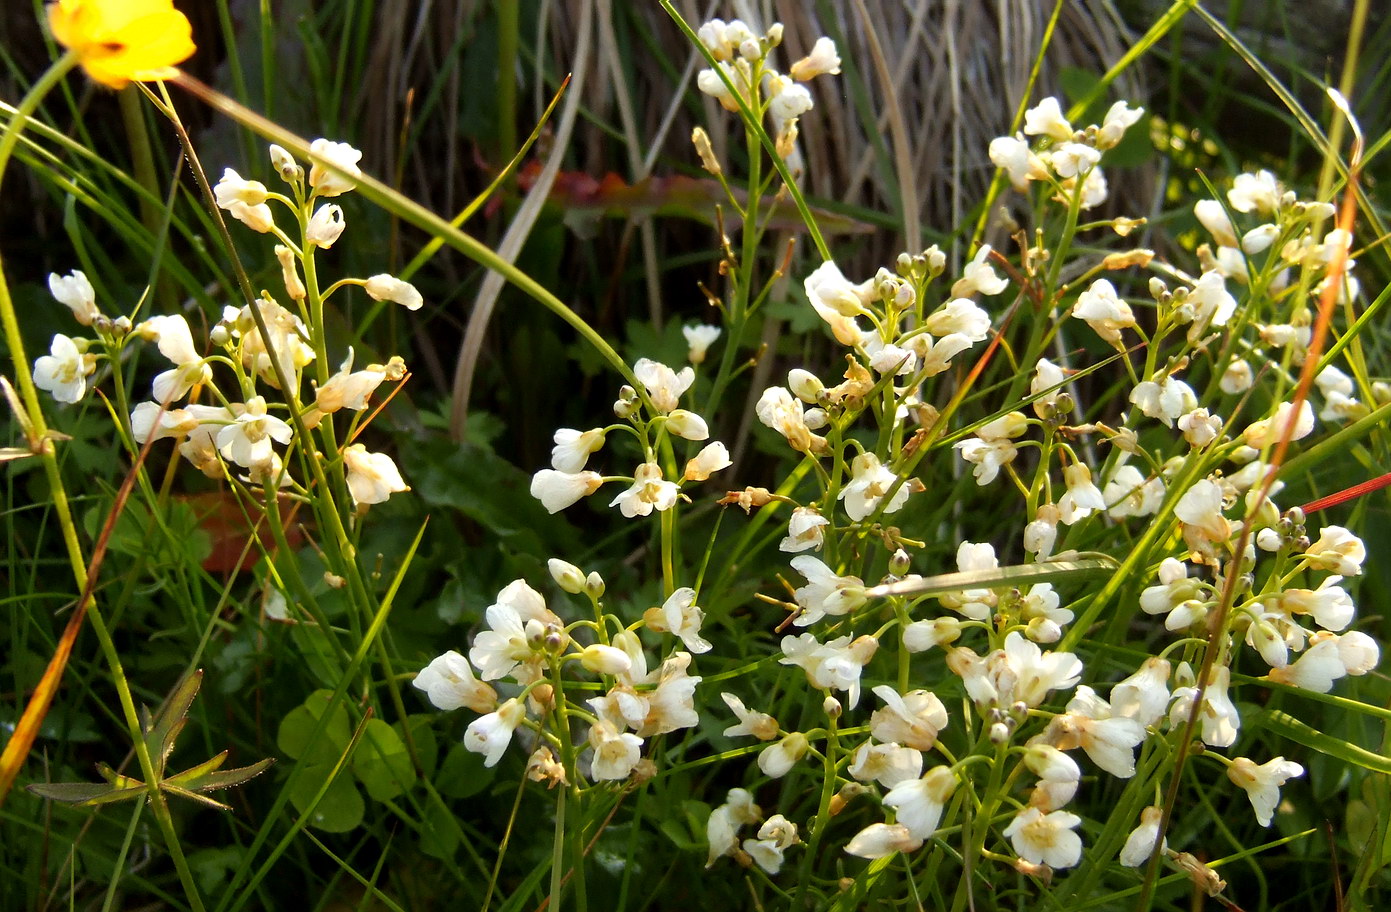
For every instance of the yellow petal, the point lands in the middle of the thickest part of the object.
(120, 40)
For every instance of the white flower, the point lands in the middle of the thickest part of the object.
(825, 592)
(1145, 694)
(787, 100)
(1070, 159)
(880, 840)
(722, 828)
(1337, 550)
(778, 410)
(912, 719)
(1129, 493)
(823, 60)
(776, 760)
(1104, 311)
(372, 477)
(615, 752)
(1046, 119)
(648, 492)
(1058, 776)
(247, 440)
(712, 458)
(886, 764)
(499, 650)
(1237, 377)
(1108, 739)
(489, 735)
(988, 456)
(1259, 239)
(1329, 658)
(572, 448)
(709, 82)
(688, 425)
(1219, 718)
(1040, 609)
(64, 370)
(288, 339)
(921, 636)
(959, 315)
(1212, 304)
(1119, 118)
(751, 722)
(1214, 218)
(245, 200)
(449, 683)
(869, 483)
(1200, 511)
(338, 157)
(1033, 671)
(76, 292)
(663, 384)
(1262, 783)
(347, 389)
(837, 301)
(978, 276)
(918, 803)
(806, 530)
(558, 490)
(1139, 846)
(699, 338)
(1012, 155)
(325, 226)
(1259, 192)
(775, 836)
(1166, 400)
(1267, 431)
(385, 287)
(1046, 838)
(834, 665)
(680, 616)
(1200, 427)
(1082, 496)
(176, 343)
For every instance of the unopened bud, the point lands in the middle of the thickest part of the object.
(566, 575)
(831, 706)
(805, 385)
(701, 140)
(899, 563)
(334, 581)
(594, 585)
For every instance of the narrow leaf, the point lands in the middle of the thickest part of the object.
(1290, 727)
(1017, 575)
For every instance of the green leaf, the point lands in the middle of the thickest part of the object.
(161, 734)
(427, 748)
(85, 792)
(1288, 726)
(462, 774)
(382, 762)
(341, 808)
(298, 725)
(439, 833)
(1017, 575)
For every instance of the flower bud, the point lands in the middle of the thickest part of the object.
(805, 385)
(285, 164)
(605, 660)
(594, 585)
(831, 706)
(899, 563)
(701, 140)
(566, 575)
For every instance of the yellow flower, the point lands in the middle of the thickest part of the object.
(120, 40)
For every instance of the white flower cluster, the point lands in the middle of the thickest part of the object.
(567, 481)
(524, 648)
(742, 71)
(1062, 155)
(241, 430)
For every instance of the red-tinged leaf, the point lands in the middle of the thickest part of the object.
(584, 200)
(222, 517)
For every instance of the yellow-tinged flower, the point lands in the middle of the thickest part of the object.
(120, 40)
